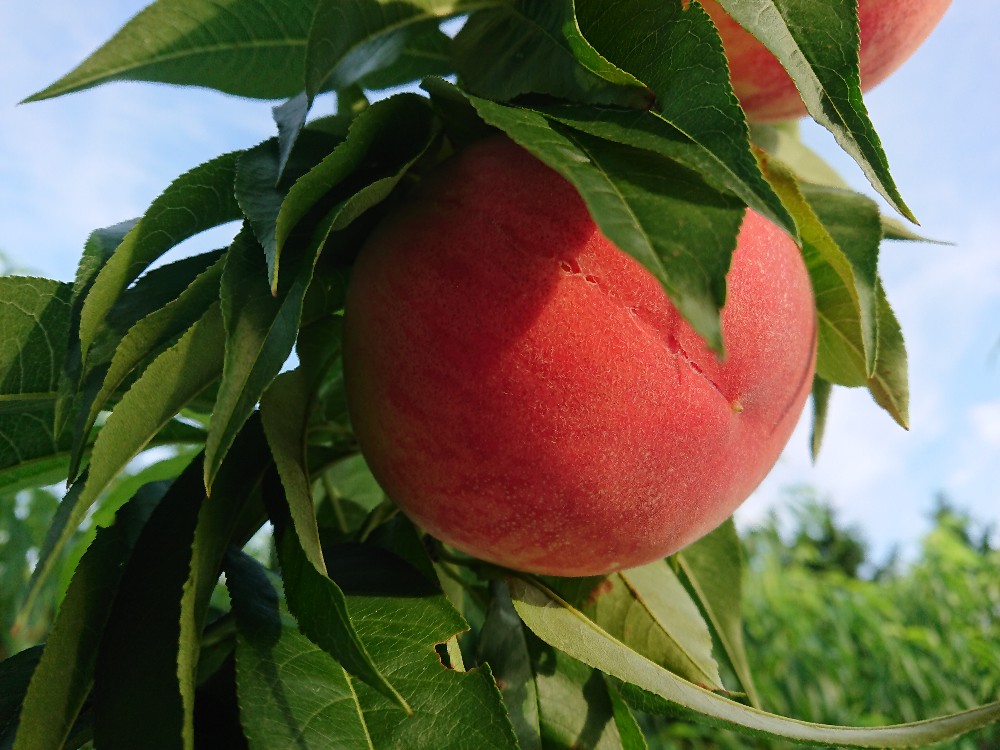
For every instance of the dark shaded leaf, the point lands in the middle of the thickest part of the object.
(65, 673)
(351, 40)
(525, 47)
(15, 674)
(502, 644)
(166, 386)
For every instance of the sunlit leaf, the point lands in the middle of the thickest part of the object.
(242, 47)
(653, 688)
(817, 43)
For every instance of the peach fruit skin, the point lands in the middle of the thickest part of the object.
(891, 30)
(526, 392)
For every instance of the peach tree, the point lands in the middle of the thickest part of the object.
(229, 572)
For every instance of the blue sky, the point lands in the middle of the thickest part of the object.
(95, 158)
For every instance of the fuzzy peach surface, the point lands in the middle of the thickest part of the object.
(526, 392)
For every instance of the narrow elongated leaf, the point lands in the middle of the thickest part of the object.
(15, 675)
(137, 698)
(231, 517)
(502, 644)
(285, 409)
(261, 327)
(653, 688)
(242, 47)
(65, 673)
(817, 43)
(629, 731)
(524, 47)
(713, 568)
(291, 692)
(575, 708)
(197, 200)
(854, 223)
(263, 177)
(162, 326)
(35, 319)
(97, 250)
(396, 129)
(890, 384)
(166, 386)
(661, 594)
(147, 663)
(683, 63)
(350, 40)
(649, 610)
(653, 208)
(427, 53)
(821, 402)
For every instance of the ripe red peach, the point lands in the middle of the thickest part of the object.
(891, 30)
(526, 392)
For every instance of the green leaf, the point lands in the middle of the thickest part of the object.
(502, 645)
(890, 385)
(653, 208)
(657, 589)
(350, 40)
(240, 47)
(138, 655)
(157, 330)
(652, 688)
(713, 569)
(821, 402)
(649, 610)
(817, 43)
(574, 705)
(697, 113)
(15, 674)
(400, 614)
(426, 54)
(321, 609)
(263, 177)
(261, 327)
(843, 278)
(35, 317)
(854, 223)
(197, 200)
(152, 641)
(97, 250)
(395, 131)
(65, 674)
(628, 728)
(166, 386)
(285, 409)
(291, 692)
(524, 47)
